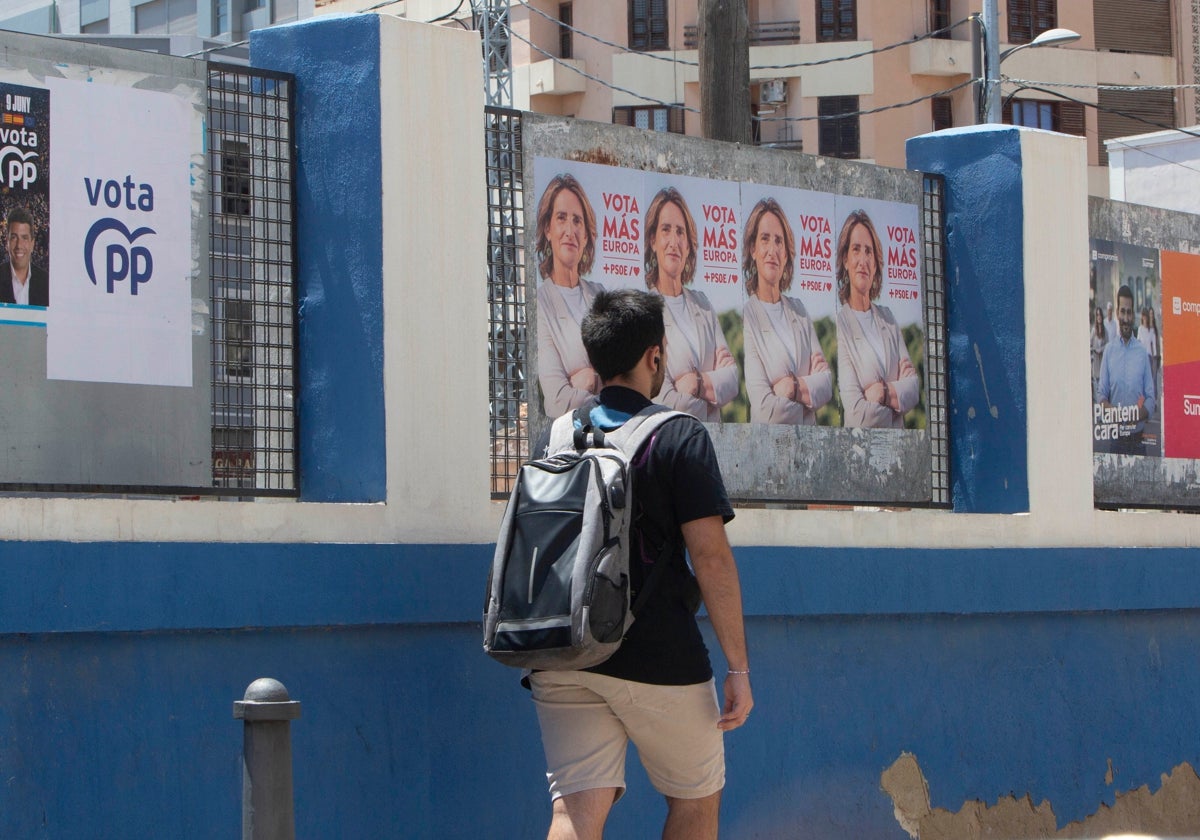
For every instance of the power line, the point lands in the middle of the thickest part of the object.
(217, 48)
(1028, 84)
(1147, 153)
(597, 79)
(687, 63)
(1116, 111)
(654, 101)
(868, 111)
(865, 53)
(1132, 117)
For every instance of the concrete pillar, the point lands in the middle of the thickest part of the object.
(391, 220)
(1016, 290)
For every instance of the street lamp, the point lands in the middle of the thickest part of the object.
(989, 99)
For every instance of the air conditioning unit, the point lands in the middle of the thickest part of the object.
(772, 92)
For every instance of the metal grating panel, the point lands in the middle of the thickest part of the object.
(933, 222)
(252, 274)
(509, 393)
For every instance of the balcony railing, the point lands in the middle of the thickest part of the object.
(761, 34)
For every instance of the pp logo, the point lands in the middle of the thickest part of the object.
(1176, 305)
(17, 169)
(122, 260)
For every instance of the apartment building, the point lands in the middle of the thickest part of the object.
(830, 58)
(223, 20)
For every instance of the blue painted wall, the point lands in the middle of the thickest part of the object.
(339, 250)
(122, 663)
(985, 310)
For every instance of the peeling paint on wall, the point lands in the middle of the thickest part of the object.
(1171, 811)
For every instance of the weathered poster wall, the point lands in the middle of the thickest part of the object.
(1145, 352)
(793, 295)
(102, 285)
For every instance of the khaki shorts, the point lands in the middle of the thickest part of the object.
(588, 720)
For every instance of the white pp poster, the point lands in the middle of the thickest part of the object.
(121, 215)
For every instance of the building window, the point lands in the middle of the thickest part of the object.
(235, 177)
(566, 47)
(943, 113)
(1028, 19)
(939, 17)
(92, 12)
(653, 117)
(1120, 113)
(648, 24)
(1063, 117)
(837, 20)
(1138, 26)
(239, 337)
(163, 17)
(838, 126)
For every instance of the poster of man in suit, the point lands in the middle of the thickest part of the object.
(24, 198)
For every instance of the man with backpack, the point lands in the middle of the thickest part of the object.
(658, 688)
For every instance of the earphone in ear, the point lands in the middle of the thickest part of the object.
(657, 362)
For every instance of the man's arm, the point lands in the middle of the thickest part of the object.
(1148, 401)
(716, 571)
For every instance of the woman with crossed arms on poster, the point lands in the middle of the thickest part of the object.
(787, 376)
(566, 250)
(876, 378)
(701, 373)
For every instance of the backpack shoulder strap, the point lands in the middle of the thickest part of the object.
(562, 435)
(638, 428)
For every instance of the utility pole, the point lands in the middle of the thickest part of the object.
(724, 35)
(991, 58)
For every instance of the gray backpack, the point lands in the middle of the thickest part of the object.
(558, 595)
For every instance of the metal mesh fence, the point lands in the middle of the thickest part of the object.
(933, 220)
(250, 148)
(509, 394)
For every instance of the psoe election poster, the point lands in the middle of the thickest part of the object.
(793, 315)
(121, 213)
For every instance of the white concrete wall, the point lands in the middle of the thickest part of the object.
(1160, 170)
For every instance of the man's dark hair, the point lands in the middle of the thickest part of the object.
(1125, 292)
(619, 328)
(20, 216)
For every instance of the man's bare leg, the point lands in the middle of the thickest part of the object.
(581, 816)
(692, 819)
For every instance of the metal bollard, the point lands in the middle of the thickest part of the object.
(267, 811)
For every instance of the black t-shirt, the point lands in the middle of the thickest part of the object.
(676, 479)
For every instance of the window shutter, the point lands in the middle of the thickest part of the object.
(1142, 26)
(1070, 118)
(637, 24)
(1156, 108)
(622, 116)
(943, 113)
(1020, 21)
(675, 119)
(1045, 16)
(838, 135)
(658, 24)
(847, 20)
